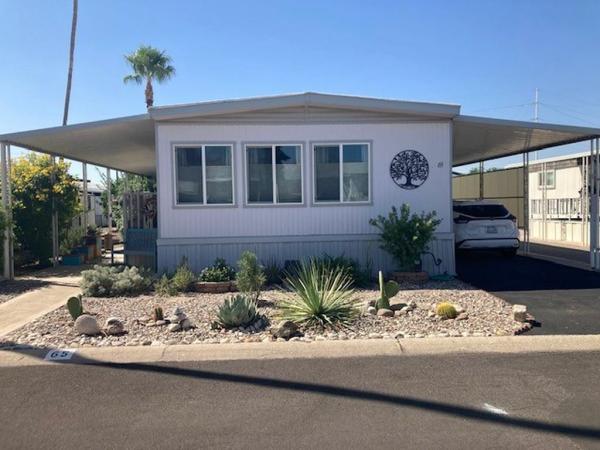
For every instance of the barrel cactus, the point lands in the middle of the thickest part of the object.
(386, 291)
(446, 310)
(157, 313)
(237, 311)
(75, 306)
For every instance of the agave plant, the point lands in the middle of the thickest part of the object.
(322, 296)
(237, 311)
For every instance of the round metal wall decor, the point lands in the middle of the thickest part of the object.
(409, 169)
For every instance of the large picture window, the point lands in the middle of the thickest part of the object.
(274, 174)
(204, 175)
(341, 173)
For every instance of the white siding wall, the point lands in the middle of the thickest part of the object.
(294, 232)
(431, 139)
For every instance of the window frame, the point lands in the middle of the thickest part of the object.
(543, 175)
(273, 145)
(174, 173)
(340, 145)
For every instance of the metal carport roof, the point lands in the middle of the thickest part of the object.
(127, 143)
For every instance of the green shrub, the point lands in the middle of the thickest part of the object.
(111, 281)
(219, 271)
(164, 287)
(184, 278)
(237, 311)
(272, 271)
(446, 310)
(323, 296)
(360, 277)
(386, 291)
(75, 306)
(250, 277)
(405, 236)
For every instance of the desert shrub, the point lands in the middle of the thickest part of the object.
(72, 238)
(360, 277)
(323, 296)
(237, 311)
(272, 271)
(250, 277)
(446, 310)
(164, 287)
(183, 280)
(111, 281)
(219, 271)
(405, 236)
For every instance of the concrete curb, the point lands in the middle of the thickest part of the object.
(319, 349)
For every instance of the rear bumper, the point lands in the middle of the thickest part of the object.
(499, 243)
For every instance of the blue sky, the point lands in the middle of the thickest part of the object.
(488, 56)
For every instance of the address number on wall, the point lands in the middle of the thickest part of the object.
(59, 354)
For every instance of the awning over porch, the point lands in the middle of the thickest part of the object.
(124, 143)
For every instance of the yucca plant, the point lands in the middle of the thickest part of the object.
(322, 296)
(237, 311)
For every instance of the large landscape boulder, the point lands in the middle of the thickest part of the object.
(88, 325)
(114, 326)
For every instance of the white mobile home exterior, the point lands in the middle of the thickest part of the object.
(291, 232)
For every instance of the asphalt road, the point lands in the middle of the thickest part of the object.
(533, 401)
(565, 300)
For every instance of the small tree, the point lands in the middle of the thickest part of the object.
(33, 190)
(250, 277)
(405, 236)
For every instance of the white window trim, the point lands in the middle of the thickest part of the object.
(202, 145)
(544, 174)
(340, 145)
(273, 145)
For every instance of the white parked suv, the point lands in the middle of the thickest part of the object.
(485, 225)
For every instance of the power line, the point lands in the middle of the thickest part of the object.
(502, 107)
(555, 108)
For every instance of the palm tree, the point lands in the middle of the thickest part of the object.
(149, 63)
(70, 70)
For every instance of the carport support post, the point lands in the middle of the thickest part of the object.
(7, 269)
(54, 215)
(109, 217)
(85, 196)
(526, 202)
(593, 183)
(481, 181)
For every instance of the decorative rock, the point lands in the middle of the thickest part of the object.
(86, 324)
(285, 329)
(397, 306)
(372, 310)
(375, 336)
(462, 316)
(160, 322)
(385, 312)
(174, 327)
(400, 313)
(114, 326)
(186, 324)
(519, 313)
(459, 309)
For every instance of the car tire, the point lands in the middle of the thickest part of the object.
(510, 253)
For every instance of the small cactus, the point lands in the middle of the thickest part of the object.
(446, 310)
(157, 313)
(386, 291)
(75, 306)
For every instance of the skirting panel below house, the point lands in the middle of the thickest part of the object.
(202, 252)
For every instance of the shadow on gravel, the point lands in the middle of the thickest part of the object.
(464, 412)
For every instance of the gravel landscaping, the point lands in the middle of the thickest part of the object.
(484, 315)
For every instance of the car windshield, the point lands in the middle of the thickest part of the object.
(482, 211)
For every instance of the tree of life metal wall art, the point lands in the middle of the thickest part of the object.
(409, 169)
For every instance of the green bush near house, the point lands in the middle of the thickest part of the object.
(273, 272)
(183, 280)
(237, 311)
(322, 296)
(250, 277)
(112, 281)
(360, 277)
(219, 271)
(404, 235)
(164, 287)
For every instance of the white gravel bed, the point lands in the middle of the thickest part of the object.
(487, 316)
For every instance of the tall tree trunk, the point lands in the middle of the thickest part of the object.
(149, 93)
(71, 57)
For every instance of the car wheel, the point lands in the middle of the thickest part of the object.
(510, 253)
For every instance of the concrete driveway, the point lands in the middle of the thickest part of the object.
(564, 299)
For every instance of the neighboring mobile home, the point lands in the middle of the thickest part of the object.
(294, 176)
